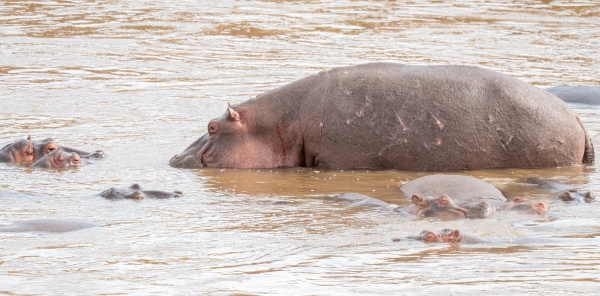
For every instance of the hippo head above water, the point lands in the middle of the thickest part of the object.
(59, 159)
(232, 140)
(26, 151)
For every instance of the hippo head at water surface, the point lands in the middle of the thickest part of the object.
(235, 140)
(59, 159)
(26, 151)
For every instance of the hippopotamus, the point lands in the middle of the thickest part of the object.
(589, 95)
(395, 116)
(446, 236)
(27, 151)
(471, 198)
(59, 159)
(577, 196)
(49, 225)
(135, 191)
(81, 153)
(568, 193)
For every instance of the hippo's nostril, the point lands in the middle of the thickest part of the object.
(178, 193)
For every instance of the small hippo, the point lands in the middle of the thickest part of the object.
(471, 198)
(446, 236)
(525, 206)
(26, 151)
(574, 195)
(59, 159)
(135, 191)
(589, 95)
(49, 225)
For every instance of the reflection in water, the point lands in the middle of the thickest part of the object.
(140, 80)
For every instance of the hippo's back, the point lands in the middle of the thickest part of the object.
(441, 118)
(48, 225)
(459, 188)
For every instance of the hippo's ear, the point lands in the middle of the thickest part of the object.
(232, 114)
(416, 199)
(519, 199)
(455, 235)
(29, 138)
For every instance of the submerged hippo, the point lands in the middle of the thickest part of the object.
(456, 196)
(446, 236)
(26, 151)
(135, 191)
(59, 159)
(49, 225)
(589, 95)
(577, 196)
(395, 116)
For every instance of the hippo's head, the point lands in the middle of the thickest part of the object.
(234, 140)
(442, 207)
(444, 236)
(526, 206)
(58, 159)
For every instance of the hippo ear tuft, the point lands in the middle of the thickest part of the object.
(29, 138)
(233, 115)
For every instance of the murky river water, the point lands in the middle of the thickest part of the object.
(141, 79)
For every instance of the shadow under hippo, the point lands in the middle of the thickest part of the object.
(49, 225)
(471, 198)
(136, 192)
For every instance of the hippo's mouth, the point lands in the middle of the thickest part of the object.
(187, 161)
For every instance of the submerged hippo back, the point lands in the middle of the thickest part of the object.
(459, 188)
(440, 118)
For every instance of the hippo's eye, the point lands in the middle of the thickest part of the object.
(213, 128)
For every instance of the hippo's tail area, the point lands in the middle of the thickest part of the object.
(588, 154)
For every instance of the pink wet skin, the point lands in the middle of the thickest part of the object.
(25, 154)
(442, 207)
(526, 206)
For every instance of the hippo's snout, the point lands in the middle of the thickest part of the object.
(185, 161)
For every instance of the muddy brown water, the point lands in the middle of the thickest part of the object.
(141, 80)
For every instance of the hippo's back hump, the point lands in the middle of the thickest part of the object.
(386, 115)
(49, 225)
(459, 188)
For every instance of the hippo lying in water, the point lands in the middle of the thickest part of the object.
(27, 151)
(394, 116)
(471, 198)
(135, 191)
(49, 225)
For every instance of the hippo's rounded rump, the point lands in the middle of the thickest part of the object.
(460, 188)
(394, 116)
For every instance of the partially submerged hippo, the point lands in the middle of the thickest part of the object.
(59, 159)
(135, 191)
(456, 196)
(589, 95)
(395, 116)
(577, 196)
(49, 225)
(27, 151)
(568, 193)
(453, 236)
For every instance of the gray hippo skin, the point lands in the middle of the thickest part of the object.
(59, 159)
(395, 116)
(360, 199)
(135, 191)
(446, 236)
(49, 225)
(455, 196)
(589, 95)
(26, 151)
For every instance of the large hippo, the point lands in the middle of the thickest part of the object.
(589, 95)
(48, 225)
(135, 191)
(395, 116)
(457, 196)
